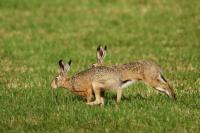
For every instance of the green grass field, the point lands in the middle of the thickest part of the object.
(35, 34)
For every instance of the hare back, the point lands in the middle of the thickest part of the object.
(104, 76)
(138, 70)
(99, 72)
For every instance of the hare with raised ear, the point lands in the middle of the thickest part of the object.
(100, 55)
(146, 71)
(95, 79)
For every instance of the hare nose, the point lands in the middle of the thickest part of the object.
(53, 85)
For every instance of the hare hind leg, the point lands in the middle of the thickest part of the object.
(163, 86)
(159, 86)
(167, 90)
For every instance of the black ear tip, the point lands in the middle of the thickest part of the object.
(60, 62)
(105, 48)
(70, 62)
(98, 48)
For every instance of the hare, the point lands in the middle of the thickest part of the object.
(95, 79)
(146, 71)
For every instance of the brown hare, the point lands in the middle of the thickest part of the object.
(95, 79)
(146, 71)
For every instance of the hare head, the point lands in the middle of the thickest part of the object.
(62, 76)
(100, 55)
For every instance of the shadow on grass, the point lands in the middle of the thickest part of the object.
(110, 96)
(134, 97)
(187, 100)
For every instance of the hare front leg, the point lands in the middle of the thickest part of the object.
(97, 92)
(119, 94)
(89, 95)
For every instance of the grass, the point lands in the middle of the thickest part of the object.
(35, 34)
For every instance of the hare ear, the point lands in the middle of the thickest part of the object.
(61, 64)
(101, 52)
(70, 62)
(98, 52)
(68, 65)
(98, 48)
(105, 48)
(104, 51)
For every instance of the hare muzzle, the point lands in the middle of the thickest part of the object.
(53, 85)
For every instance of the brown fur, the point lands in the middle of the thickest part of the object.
(146, 71)
(95, 79)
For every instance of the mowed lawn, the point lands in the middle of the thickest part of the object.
(35, 34)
